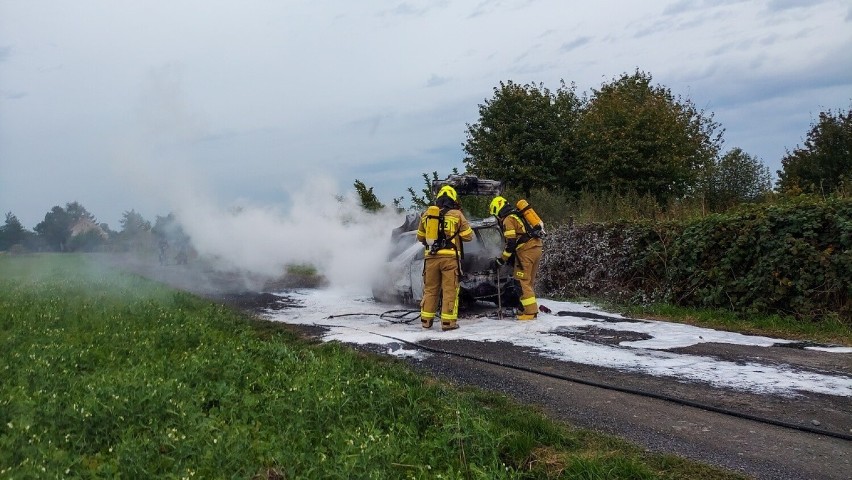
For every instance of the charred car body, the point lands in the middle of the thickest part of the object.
(481, 278)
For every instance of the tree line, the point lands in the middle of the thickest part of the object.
(631, 136)
(73, 228)
(635, 140)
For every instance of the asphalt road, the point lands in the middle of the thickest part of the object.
(755, 449)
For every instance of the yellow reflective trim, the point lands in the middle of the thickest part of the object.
(444, 252)
(519, 274)
(464, 233)
(427, 315)
(509, 233)
(456, 305)
(527, 301)
(455, 314)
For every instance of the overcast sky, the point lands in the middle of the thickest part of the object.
(116, 103)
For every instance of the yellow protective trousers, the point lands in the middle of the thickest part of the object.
(440, 283)
(526, 269)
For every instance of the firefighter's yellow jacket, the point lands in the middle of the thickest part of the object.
(516, 236)
(454, 222)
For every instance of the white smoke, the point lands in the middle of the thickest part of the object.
(320, 228)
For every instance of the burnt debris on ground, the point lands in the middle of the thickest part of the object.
(255, 302)
(604, 336)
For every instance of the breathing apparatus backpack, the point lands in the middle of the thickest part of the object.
(436, 230)
(532, 222)
(433, 224)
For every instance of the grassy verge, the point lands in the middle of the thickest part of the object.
(106, 374)
(832, 331)
(825, 330)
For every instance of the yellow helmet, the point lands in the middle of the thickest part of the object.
(496, 205)
(448, 191)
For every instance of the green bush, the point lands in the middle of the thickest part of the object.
(791, 258)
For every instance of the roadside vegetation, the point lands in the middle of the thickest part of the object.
(831, 330)
(790, 259)
(106, 374)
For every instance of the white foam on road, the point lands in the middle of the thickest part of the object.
(353, 317)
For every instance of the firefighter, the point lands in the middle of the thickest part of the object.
(163, 246)
(442, 229)
(524, 248)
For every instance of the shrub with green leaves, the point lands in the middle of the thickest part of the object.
(790, 258)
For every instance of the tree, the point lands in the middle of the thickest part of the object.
(132, 223)
(86, 234)
(522, 135)
(737, 177)
(420, 202)
(825, 161)
(637, 137)
(368, 199)
(568, 107)
(135, 234)
(12, 232)
(78, 212)
(57, 227)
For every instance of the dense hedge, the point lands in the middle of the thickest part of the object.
(793, 258)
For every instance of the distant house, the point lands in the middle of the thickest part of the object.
(86, 225)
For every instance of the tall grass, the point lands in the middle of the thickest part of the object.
(107, 375)
(558, 209)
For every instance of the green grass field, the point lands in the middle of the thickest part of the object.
(105, 375)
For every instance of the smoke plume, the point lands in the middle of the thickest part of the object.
(319, 227)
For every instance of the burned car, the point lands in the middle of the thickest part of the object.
(481, 279)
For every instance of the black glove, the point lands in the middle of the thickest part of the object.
(499, 261)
